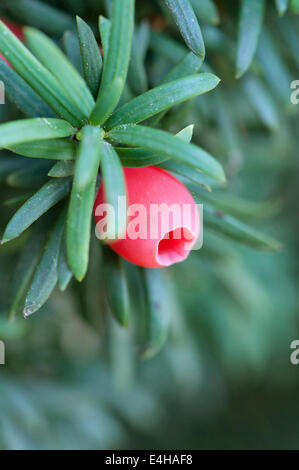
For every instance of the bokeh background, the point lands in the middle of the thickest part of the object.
(73, 378)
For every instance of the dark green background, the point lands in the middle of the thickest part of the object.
(73, 378)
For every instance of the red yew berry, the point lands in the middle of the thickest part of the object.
(17, 30)
(163, 219)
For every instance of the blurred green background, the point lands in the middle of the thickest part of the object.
(73, 378)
